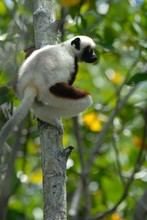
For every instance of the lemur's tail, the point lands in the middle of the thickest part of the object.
(18, 116)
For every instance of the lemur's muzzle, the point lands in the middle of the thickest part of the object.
(92, 59)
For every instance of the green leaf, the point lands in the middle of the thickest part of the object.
(6, 94)
(109, 35)
(3, 8)
(139, 77)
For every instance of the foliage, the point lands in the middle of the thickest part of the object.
(107, 170)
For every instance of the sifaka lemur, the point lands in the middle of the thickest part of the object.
(45, 83)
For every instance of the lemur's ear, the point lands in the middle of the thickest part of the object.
(76, 43)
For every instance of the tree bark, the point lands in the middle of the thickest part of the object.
(54, 159)
(53, 156)
(44, 22)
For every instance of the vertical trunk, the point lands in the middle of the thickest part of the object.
(54, 159)
(53, 155)
(44, 26)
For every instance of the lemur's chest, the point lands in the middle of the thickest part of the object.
(73, 72)
(66, 71)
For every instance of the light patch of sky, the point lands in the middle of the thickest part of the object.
(9, 3)
(135, 3)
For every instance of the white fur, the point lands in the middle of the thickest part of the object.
(42, 69)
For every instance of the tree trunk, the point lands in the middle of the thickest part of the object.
(53, 156)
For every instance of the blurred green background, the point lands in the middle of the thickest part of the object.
(107, 168)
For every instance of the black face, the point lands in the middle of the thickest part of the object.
(88, 55)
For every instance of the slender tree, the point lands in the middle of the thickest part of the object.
(53, 156)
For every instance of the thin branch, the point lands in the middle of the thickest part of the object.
(6, 189)
(129, 73)
(84, 170)
(118, 164)
(137, 166)
(140, 212)
(141, 209)
(119, 89)
(99, 140)
(74, 207)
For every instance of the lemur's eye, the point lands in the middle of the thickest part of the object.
(89, 50)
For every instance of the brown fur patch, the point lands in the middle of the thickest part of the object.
(66, 91)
